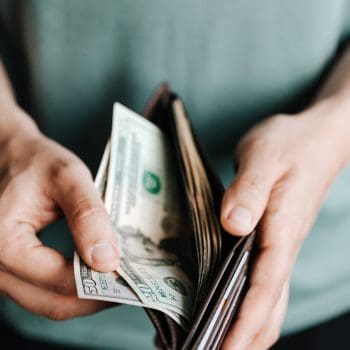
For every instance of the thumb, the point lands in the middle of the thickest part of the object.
(245, 200)
(91, 227)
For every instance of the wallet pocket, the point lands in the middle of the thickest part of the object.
(225, 286)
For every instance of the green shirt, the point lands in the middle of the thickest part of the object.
(233, 62)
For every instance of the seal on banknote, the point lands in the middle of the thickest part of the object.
(175, 284)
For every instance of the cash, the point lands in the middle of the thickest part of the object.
(207, 234)
(163, 199)
(143, 196)
(97, 285)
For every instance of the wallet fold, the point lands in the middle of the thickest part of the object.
(214, 314)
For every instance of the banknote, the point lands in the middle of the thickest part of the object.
(148, 222)
(101, 175)
(97, 285)
(144, 203)
(94, 285)
(110, 286)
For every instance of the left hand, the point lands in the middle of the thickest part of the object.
(286, 166)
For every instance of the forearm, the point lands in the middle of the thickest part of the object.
(13, 120)
(6, 90)
(330, 111)
(337, 85)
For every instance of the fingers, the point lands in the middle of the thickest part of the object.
(45, 303)
(267, 280)
(245, 200)
(22, 253)
(279, 230)
(88, 220)
(269, 335)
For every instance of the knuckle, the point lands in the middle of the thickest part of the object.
(270, 293)
(256, 140)
(253, 140)
(253, 186)
(15, 243)
(84, 208)
(267, 140)
(57, 315)
(59, 312)
(64, 169)
(281, 119)
(242, 148)
(289, 238)
(10, 245)
(6, 285)
(64, 287)
(272, 338)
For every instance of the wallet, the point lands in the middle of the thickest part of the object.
(223, 289)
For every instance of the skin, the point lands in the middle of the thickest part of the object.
(285, 167)
(39, 179)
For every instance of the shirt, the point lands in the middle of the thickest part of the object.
(234, 63)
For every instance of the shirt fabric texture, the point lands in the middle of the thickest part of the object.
(234, 63)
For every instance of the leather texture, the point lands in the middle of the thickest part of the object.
(216, 312)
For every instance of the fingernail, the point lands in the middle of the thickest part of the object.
(104, 253)
(241, 218)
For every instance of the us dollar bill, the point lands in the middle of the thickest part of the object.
(142, 198)
(101, 175)
(98, 285)
(111, 286)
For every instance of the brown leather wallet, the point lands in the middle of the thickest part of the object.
(215, 312)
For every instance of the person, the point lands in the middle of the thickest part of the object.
(272, 66)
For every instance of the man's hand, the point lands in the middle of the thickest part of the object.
(285, 168)
(38, 180)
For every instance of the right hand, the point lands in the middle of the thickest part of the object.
(39, 179)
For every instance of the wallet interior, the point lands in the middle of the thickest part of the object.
(214, 313)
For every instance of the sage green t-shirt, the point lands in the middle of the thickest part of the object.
(234, 62)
